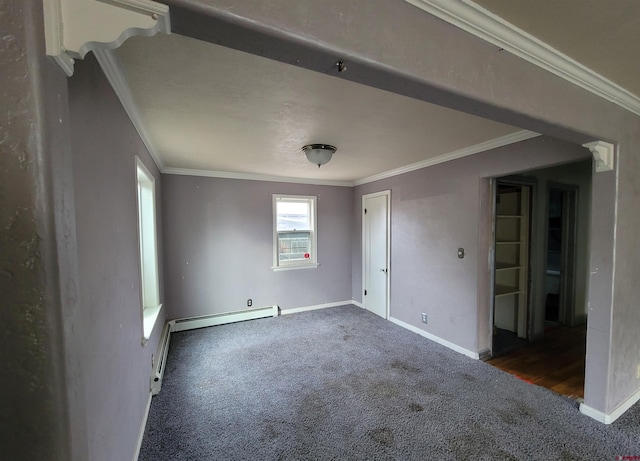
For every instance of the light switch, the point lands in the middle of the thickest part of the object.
(460, 253)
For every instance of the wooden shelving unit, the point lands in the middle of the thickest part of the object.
(511, 258)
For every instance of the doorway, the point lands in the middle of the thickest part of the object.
(560, 255)
(376, 252)
(552, 351)
(512, 234)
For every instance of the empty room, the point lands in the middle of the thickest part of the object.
(319, 230)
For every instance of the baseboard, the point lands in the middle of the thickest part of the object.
(296, 310)
(615, 414)
(357, 304)
(136, 454)
(434, 338)
(484, 355)
(192, 323)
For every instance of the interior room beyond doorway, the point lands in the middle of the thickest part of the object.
(542, 223)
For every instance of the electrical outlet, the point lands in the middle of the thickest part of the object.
(424, 317)
(249, 302)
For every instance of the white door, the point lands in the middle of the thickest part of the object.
(375, 226)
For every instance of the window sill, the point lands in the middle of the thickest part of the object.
(293, 268)
(149, 319)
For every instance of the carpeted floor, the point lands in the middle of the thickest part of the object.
(342, 383)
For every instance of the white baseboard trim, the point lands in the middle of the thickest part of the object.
(615, 414)
(357, 304)
(437, 339)
(192, 323)
(296, 310)
(143, 426)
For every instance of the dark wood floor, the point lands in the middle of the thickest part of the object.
(555, 362)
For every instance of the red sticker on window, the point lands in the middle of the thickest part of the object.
(307, 256)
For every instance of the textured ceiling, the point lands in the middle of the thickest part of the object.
(603, 35)
(213, 108)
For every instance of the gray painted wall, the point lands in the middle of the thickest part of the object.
(108, 366)
(433, 212)
(470, 75)
(409, 58)
(219, 246)
(35, 281)
(576, 174)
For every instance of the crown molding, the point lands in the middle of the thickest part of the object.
(255, 177)
(75, 27)
(471, 150)
(114, 71)
(480, 22)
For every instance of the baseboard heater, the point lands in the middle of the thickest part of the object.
(220, 319)
(192, 323)
(160, 359)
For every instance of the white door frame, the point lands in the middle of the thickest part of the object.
(386, 193)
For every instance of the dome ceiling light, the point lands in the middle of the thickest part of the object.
(319, 154)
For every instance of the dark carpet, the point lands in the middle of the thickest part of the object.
(342, 383)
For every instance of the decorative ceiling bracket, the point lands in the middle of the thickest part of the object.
(75, 27)
(602, 154)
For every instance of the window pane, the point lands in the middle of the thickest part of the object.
(294, 246)
(293, 215)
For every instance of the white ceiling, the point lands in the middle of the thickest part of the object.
(214, 109)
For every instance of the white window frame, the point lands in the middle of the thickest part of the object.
(147, 249)
(312, 262)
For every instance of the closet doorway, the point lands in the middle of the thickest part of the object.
(511, 265)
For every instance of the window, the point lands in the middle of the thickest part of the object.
(294, 232)
(148, 249)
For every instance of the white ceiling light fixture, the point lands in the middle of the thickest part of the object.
(319, 154)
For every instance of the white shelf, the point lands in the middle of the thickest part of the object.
(504, 290)
(506, 267)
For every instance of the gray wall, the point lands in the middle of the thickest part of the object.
(409, 58)
(575, 174)
(35, 282)
(219, 246)
(108, 367)
(433, 212)
(471, 75)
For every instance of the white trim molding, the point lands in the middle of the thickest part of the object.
(315, 307)
(75, 27)
(114, 71)
(603, 155)
(255, 177)
(608, 418)
(512, 138)
(495, 143)
(437, 339)
(143, 426)
(480, 22)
